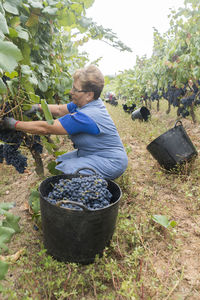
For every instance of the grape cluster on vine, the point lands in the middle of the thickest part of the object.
(91, 191)
(9, 149)
(15, 158)
(12, 140)
(182, 98)
(129, 108)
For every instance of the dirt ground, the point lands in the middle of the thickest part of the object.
(182, 206)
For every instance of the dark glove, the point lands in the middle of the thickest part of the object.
(8, 123)
(32, 111)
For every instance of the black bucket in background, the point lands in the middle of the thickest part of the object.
(141, 114)
(77, 236)
(173, 148)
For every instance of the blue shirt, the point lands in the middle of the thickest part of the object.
(77, 122)
(102, 152)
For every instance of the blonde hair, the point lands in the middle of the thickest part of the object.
(91, 79)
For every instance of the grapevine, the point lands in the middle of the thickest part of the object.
(172, 73)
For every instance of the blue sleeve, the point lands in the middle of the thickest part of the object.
(71, 107)
(79, 122)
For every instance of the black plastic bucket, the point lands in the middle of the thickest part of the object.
(141, 114)
(173, 148)
(77, 236)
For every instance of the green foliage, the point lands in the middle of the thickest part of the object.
(163, 221)
(144, 260)
(34, 202)
(6, 233)
(47, 54)
(11, 221)
(39, 51)
(8, 227)
(9, 56)
(3, 269)
(175, 59)
(51, 167)
(47, 112)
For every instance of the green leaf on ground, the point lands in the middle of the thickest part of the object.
(12, 222)
(163, 220)
(3, 269)
(5, 236)
(6, 205)
(34, 201)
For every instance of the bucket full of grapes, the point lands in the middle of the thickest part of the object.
(79, 214)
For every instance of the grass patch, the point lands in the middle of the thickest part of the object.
(145, 260)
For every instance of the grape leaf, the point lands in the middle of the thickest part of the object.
(9, 56)
(47, 113)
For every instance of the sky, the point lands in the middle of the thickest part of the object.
(133, 22)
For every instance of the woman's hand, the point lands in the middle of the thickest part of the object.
(8, 123)
(33, 110)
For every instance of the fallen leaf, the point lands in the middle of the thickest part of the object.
(24, 206)
(14, 257)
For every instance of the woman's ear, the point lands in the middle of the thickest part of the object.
(90, 96)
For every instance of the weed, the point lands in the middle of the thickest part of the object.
(145, 260)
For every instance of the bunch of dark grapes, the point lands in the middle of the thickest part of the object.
(129, 108)
(91, 191)
(188, 100)
(11, 142)
(33, 142)
(11, 137)
(14, 158)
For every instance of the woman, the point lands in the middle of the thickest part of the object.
(89, 126)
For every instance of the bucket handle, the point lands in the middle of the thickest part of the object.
(179, 121)
(73, 203)
(78, 171)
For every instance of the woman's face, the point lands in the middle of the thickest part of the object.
(79, 96)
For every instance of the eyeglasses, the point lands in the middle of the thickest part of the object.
(78, 91)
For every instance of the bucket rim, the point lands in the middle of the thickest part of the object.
(165, 133)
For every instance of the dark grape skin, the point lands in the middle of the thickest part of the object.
(12, 140)
(14, 158)
(179, 97)
(91, 191)
(11, 137)
(129, 108)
